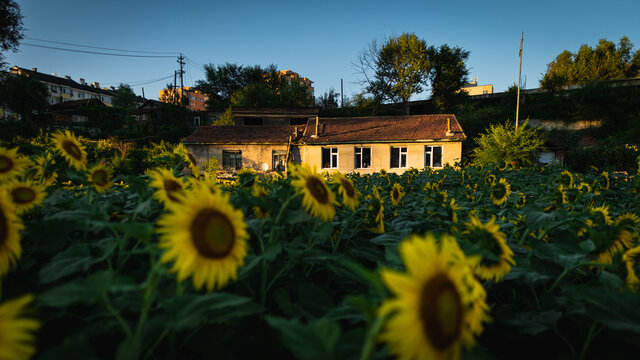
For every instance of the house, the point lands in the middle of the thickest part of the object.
(197, 99)
(243, 115)
(472, 88)
(365, 144)
(63, 89)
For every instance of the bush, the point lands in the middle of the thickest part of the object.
(504, 143)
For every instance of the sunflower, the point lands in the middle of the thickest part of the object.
(397, 192)
(100, 178)
(383, 172)
(17, 340)
(193, 164)
(10, 226)
(584, 188)
(346, 189)
(439, 305)
(560, 195)
(566, 178)
(12, 164)
(452, 208)
(500, 191)
(246, 177)
(629, 260)
(71, 149)
(205, 237)
(627, 223)
(498, 257)
(168, 187)
(260, 192)
(600, 215)
(45, 173)
(522, 200)
(25, 195)
(317, 198)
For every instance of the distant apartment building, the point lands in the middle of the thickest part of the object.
(62, 89)
(292, 75)
(472, 88)
(197, 99)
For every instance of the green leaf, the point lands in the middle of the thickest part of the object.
(76, 258)
(533, 323)
(79, 291)
(312, 341)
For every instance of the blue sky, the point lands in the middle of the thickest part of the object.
(318, 39)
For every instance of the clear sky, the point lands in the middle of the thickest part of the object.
(317, 39)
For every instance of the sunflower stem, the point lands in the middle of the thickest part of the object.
(587, 342)
(571, 268)
(370, 341)
(283, 207)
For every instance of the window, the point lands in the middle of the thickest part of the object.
(362, 158)
(329, 158)
(433, 156)
(196, 120)
(398, 157)
(279, 160)
(253, 121)
(54, 89)
(232, 159)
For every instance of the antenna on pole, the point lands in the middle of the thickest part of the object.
(519, 76)
(341, 94)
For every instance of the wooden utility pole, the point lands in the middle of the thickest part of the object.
(341, 94)
(519, 76)
(174, 97)
(181, 62)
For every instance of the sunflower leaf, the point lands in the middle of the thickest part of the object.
(315, 340)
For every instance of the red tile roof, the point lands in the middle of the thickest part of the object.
(337, 130)
(241, 134)
(385, 128)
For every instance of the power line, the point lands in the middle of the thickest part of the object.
(102, 48)
(140, 82)
(97, 53)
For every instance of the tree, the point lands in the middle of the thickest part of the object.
(124, 98)
(505, 143)
(448, 75)
(606, 61)
(10, 27)
(328, 100)
(395, 70)
(275, 92)
(23, 95)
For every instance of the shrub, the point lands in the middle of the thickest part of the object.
(504, 143)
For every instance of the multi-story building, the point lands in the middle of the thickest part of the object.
(63, 89)
(472, 88)
(197, 99)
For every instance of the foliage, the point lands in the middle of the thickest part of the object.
(449, 73)
(503, 143)
(225, 119)
(604, 62)
(23, 95)
(124, 98)
(312, 289)
(277, 92)
(329, 100)
(10, 27)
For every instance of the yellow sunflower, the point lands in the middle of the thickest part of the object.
(438, 305)
(259, 191)
(493, 241)
(193, 164)
(522, 200)
(383, 172)
(600, 215)
(45, 173)
(17, 340)
(566, 178)
(205, 238)
(317, 198)
(71, 149)
(452, 208)
(629, 260)
(627, 224)
(12, 164)
(397, 193)
(346, 189)
(25, 194)
(246, 177)
(560, 195)
(10, 226)
(584, 188)
(100, 178)
(500, 191)
(168, 187)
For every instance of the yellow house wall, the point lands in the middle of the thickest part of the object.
(253, 155)
(381, 155)
(478, 90)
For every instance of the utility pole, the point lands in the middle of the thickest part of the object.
(174, 97)
(181, 62)
(341, 94)
(519, 76)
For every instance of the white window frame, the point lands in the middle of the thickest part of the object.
(358, 152)
(333, 158)
(403, 151)
(428, 149)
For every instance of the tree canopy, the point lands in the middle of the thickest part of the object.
(503, 143)
(23, 95)
(403, 66)
(124, 98)
(607, 61)
(10, 27)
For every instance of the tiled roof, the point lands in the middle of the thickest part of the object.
(385, 128)
(241, 134)
(65, 82)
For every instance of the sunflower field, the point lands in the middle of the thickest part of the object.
(121, 254)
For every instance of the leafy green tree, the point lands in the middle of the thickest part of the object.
(606, 61)
(328, 100)
(124, 98)
(504, 143)
(277, 92)
(448, 75)
(10, 27)
(23, 95)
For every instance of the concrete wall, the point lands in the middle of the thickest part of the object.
(253, 155)
(380, 155)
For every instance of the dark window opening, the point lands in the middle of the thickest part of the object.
(253, 121)
(362, 158)
(298, 121)
(232, 159)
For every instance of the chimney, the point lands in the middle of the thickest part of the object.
(67, 77)
(96, 85)
(449, 132)
(82, 81)
(34, 69)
